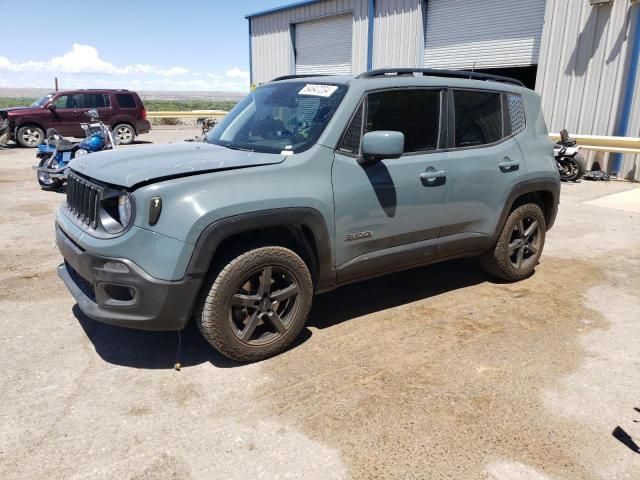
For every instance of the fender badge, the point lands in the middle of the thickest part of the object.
(349, 237)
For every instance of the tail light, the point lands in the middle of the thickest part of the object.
(144, 113)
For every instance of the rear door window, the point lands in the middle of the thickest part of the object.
(125, 100)
(478, 118)
(92, 100)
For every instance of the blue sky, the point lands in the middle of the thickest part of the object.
(152, 45)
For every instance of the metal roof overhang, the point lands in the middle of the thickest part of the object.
(282, 8)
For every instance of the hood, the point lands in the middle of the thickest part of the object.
(11, 109)
(128, 167)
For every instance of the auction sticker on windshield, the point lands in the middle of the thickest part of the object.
(318, 90)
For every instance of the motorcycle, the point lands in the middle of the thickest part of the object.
(571, 165)
(4, 129)
(206, 124)
(56, 153)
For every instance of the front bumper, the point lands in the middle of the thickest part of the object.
(552, 216)
(118, 292)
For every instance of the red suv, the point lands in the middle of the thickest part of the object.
(122, 110)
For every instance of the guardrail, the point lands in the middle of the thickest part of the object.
(601, 143)
(217, 114)
(598, 143)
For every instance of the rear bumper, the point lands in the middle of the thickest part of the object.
(143, 126)
(118, 292)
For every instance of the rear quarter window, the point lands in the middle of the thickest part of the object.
(517, 120)
(126, 100)
(478, 118)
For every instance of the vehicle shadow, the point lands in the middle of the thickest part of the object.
(159, 350)
(150, 350)
(393, 290)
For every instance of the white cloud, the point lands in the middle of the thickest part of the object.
(83, 67)
(173, 71)
(84, 59)
(237, 73)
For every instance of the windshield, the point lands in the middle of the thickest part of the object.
(41, 101)
(287, 116)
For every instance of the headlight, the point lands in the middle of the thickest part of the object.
(124, 209)
(117, 212)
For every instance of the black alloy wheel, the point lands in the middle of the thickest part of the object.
(264, 306)
(524, 242)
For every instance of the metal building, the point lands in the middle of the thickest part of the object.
(588, 73)
(581, 55)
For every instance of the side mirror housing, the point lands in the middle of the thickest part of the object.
(381, 144)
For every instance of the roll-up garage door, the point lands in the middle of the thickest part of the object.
(324, 46)
(482, 33)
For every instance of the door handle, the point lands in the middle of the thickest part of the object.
(509, 165)
(432, 175)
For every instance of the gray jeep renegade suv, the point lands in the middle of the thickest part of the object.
(307, 184)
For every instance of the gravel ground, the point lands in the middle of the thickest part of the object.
(433, 373)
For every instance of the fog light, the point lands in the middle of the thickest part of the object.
(117, 267)
(119, 293)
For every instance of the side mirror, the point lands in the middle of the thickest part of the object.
(51, 107)
(381, 144)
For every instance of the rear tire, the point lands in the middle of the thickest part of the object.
(519, 246)
(29, 136)
(577, 167)
(256, 303)
(124, 134)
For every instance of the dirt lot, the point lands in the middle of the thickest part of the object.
(433, 373)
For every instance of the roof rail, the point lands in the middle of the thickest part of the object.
(433, 72)
(288, 77)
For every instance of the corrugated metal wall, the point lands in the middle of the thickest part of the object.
(582, 69)
(398, 39)
(271, 45)
(632, 162)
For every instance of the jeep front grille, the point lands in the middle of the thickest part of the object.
(83, 199)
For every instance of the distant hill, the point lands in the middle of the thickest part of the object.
(144, 94)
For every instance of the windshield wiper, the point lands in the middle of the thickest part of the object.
(235, 147)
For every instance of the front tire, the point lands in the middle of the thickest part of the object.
(45, 180)
(256, 304)
(519, 246)
(29, 136)
(124, 134)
